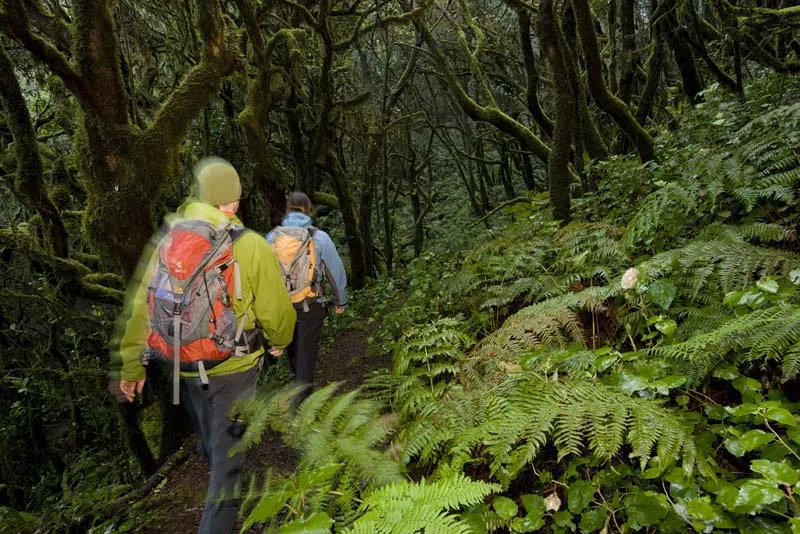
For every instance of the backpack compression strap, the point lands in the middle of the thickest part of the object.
(234, 234)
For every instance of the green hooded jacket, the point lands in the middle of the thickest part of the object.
(261, 284)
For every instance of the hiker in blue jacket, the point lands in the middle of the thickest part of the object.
(305, 289)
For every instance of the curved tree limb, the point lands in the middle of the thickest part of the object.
(221, 58)
(490, 114)
(608, 102)
(17, 25)
(29, 181)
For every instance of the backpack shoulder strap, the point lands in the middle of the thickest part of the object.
(237, 232)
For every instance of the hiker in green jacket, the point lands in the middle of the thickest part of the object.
(264, 321)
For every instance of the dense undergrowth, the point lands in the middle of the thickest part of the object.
(635, 370)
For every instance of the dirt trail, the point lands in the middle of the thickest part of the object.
(176, 507)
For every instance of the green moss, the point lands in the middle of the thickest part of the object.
(109, 280)
(89, 260)
(101, 293)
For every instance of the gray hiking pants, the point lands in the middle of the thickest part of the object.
(304, 347)
(209, 409)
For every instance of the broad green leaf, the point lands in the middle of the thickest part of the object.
(778, 472)
(752, 298)
(754, 439)
(703, 510)
(742, 409)
(727, 495)
(770, 286)
(268, 505)
(564, 520)
(751, 440)
(729, 372)
(745, 385)
(715, 412)
(505, 507)
(755, 494)
(667, 383)
(667, 327)
(733, 298)
(645, 508)
(662, 293)
(317, 477)
(629, 383)
(651, 473)
(579, 495)
(593, 520)
(761, 524)
(316, 523)
(781, 415)
(793, 434)
(794, 276)
(795, 523)
(527, 524)
(532, 503)
(604, 362)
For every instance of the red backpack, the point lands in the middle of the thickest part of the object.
(190, 299)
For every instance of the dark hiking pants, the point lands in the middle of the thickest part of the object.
(305, 346)
(209, 409)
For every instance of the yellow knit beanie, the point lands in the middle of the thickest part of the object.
(217, 181)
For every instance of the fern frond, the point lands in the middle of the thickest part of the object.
(719, 265)
(765, 333)
(663, 207)
(554, 322)
(766, 232)
(420, 507)
(791, 363)
(506, 424)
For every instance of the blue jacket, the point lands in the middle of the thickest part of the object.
(332, 264)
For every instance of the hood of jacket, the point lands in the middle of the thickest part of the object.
(197, 209)
(296, 218)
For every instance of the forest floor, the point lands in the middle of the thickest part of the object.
(175, 506)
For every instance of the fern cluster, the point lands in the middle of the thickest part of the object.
(555, 322)
(507, 424)
(421, 507)
(772, 333)
(720, 261)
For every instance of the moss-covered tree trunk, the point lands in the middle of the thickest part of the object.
(125, 169)
(355, 242)
(681, 50)
(505, 170)
(261, 97)
(586, 126)
(628, 50)
(527, 170)
(532, 73)
(323, 148)
(558, 168)
(655, 65)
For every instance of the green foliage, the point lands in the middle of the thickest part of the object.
(507, 424)
(650, 400)
(421, 507)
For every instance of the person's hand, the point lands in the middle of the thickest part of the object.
(338, 309)
(126, 390)
(275, 352)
